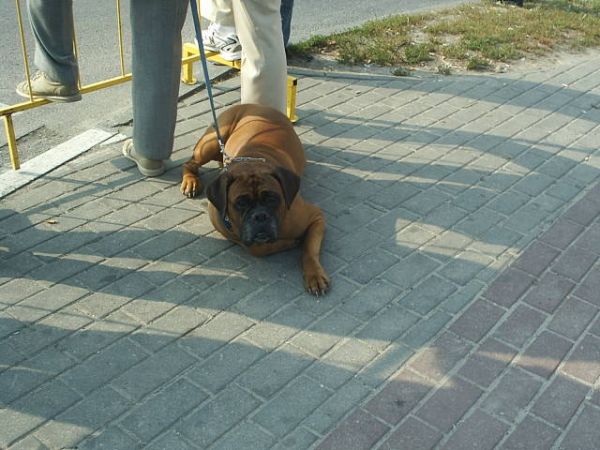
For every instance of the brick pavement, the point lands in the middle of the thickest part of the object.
(463, 243)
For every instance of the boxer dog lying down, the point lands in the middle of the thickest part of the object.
(254, 202)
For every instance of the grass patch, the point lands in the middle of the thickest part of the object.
(471, 36)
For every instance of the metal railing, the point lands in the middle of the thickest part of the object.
(190, 55)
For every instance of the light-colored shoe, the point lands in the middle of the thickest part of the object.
(147, 167)
(42, 86)
(228, 46)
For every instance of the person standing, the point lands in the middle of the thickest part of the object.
(156, 66)
(257, 24)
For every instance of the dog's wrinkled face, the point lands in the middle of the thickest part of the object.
(253, 201)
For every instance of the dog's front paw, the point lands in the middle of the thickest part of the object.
(191, 186)
(316, 280)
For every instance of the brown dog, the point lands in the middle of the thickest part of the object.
(254, 201)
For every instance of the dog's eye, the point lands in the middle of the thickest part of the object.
(242, 203)
(270, 199)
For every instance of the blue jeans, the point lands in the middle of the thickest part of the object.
(286, 19)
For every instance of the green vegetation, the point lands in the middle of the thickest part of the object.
(475, 36)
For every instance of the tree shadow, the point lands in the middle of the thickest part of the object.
(89, 384)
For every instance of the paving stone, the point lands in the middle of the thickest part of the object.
(520, 326)
(245, 435)
(171, 440)
(31, 373)
(225, 365)
(428, 295)
(559, 401)
(280, 328)
(387, 363)
(584, 361)
(326, 332)
(531, 434)
(297, 440)
(590, 287)
(479, 431)
(153, 415)
(584, 434)
(277, 416)
(409, 271)
(399, 396)
(488, 361)
(449, 403)
(387, 326)
(574, 263)
(583, 212)
(266, 301)
(15, 424)
(438, 359)
(572, 317)
(359, 431)
(103, 366)
(342, 363)
(455, 302)
(365, 303)
(465, 266)
(425, 329)
(536, 258)
(508, 287)
(29, 443)
(595, 328)
(175, 323)
(590, 238)
(45, 402)
(549, 292)
(216, 417)
(475, 322)
(511, 395)
(212, 335)
(274, 371)
(336, 406)
(412, 434)
(544, 354)
(364, 269)
(153, 372)
(92, 412)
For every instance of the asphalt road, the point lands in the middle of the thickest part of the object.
(43, 128)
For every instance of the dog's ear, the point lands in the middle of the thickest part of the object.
(217, 191)
(290, 184)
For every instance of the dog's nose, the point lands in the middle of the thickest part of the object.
(259, 217)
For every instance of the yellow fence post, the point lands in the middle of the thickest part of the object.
(292, 87)
(9, 130)
(187, 66)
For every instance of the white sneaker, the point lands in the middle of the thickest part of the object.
(227, 45)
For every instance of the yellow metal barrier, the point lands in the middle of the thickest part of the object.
(190, 55)
(8, 111)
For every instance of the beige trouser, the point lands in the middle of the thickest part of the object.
(258, 26)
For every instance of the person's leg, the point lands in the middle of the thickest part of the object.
(264, 69)
(220, 36)
(287, 7)
(52, 25)
(156, 65)
(218, 12)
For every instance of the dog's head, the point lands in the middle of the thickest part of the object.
(252, 199)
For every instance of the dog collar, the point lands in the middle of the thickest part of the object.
(227, 161)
